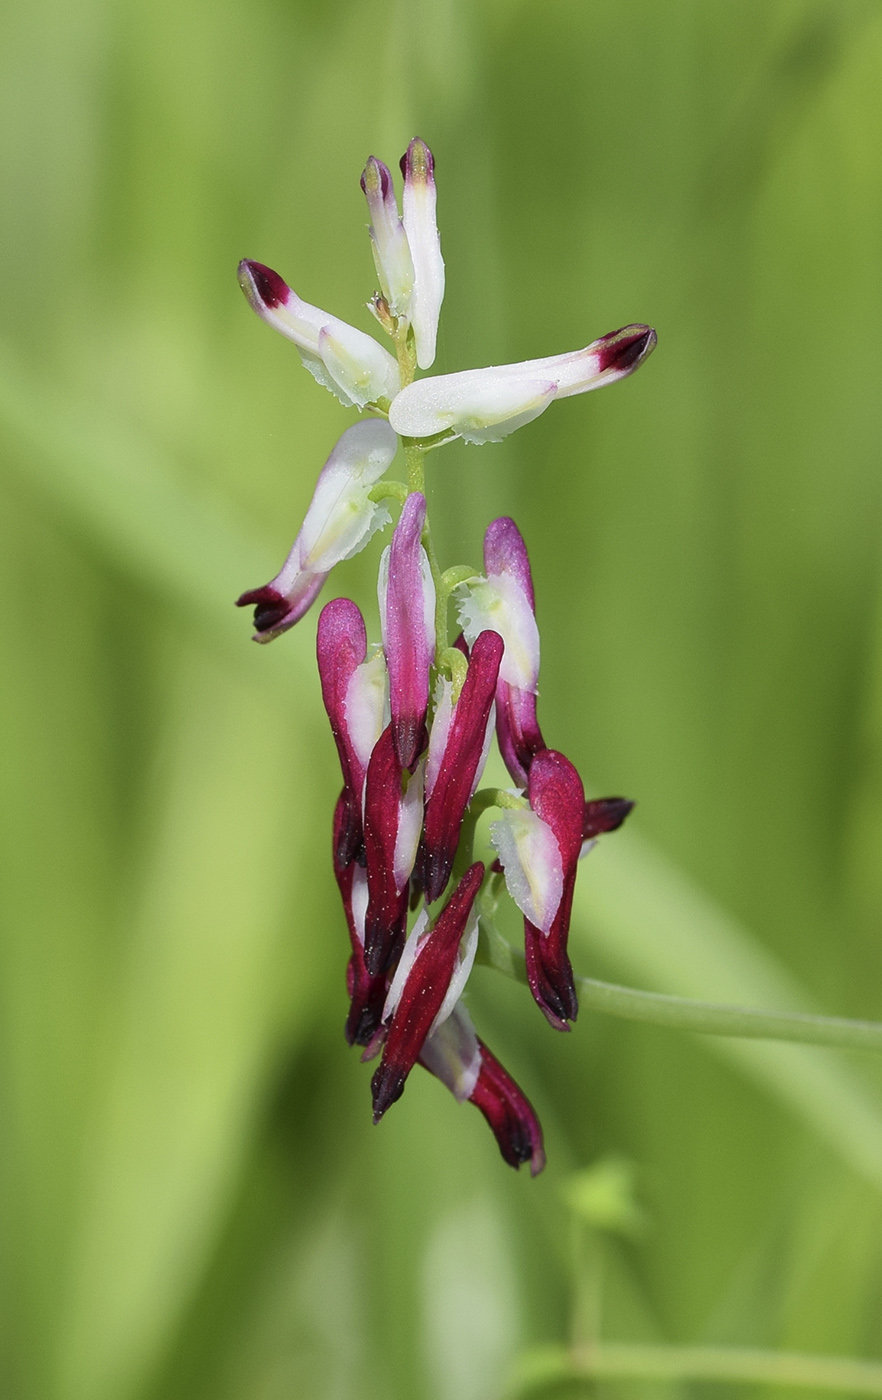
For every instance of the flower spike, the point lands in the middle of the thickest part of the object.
(407, 615)
(421, 993)
(485, 405)
(411, 764)
(340, 521)
(418, 169)
(453, 774)
(455, 1055)
(388, 240)
(351, 364)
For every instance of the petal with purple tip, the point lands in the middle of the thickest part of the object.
(485, 405)
(339, 522)
(456, 1056)
(351, 364)
(556, 795)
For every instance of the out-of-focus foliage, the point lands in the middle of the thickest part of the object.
(195, 1203)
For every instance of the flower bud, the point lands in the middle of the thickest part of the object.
(388, 240)
(418, 204)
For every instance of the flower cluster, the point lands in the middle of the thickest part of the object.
(413, 717)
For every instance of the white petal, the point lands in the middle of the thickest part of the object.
(367, 700)
(499, 604)
(530, 857)
(480, 405)
(341, 518)
(464, 962)
(410, 824)
(453, 1054)
(441, 722)
(408, 957)
(359, 901)
(362, 368)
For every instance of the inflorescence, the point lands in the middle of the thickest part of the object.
(413, 718)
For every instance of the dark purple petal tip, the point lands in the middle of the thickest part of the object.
(417, 161)
(270, 607)
(605, 814)
(624, 350)
(271, 289)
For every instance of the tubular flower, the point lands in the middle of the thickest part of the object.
(413, 717)
(485, 405)
(418, 169)
(455, 1055)
(340, 521)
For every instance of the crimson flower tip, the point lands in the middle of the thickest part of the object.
(623, 351)
(260, 282)
(271, 610)
(605, 814)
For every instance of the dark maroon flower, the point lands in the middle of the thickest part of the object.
(557, 798)
(420, 988)
(604, 814)
(457, 752)
(455, 1055)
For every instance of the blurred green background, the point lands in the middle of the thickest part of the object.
(195, 1203)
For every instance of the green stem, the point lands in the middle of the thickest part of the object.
(682, 1013)
(545, 1366)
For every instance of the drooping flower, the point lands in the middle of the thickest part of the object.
(423, 992)
(407, 616)
(456, 1056)
(340, 521)
(485, 405)
(539, 852)
(341, 358)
